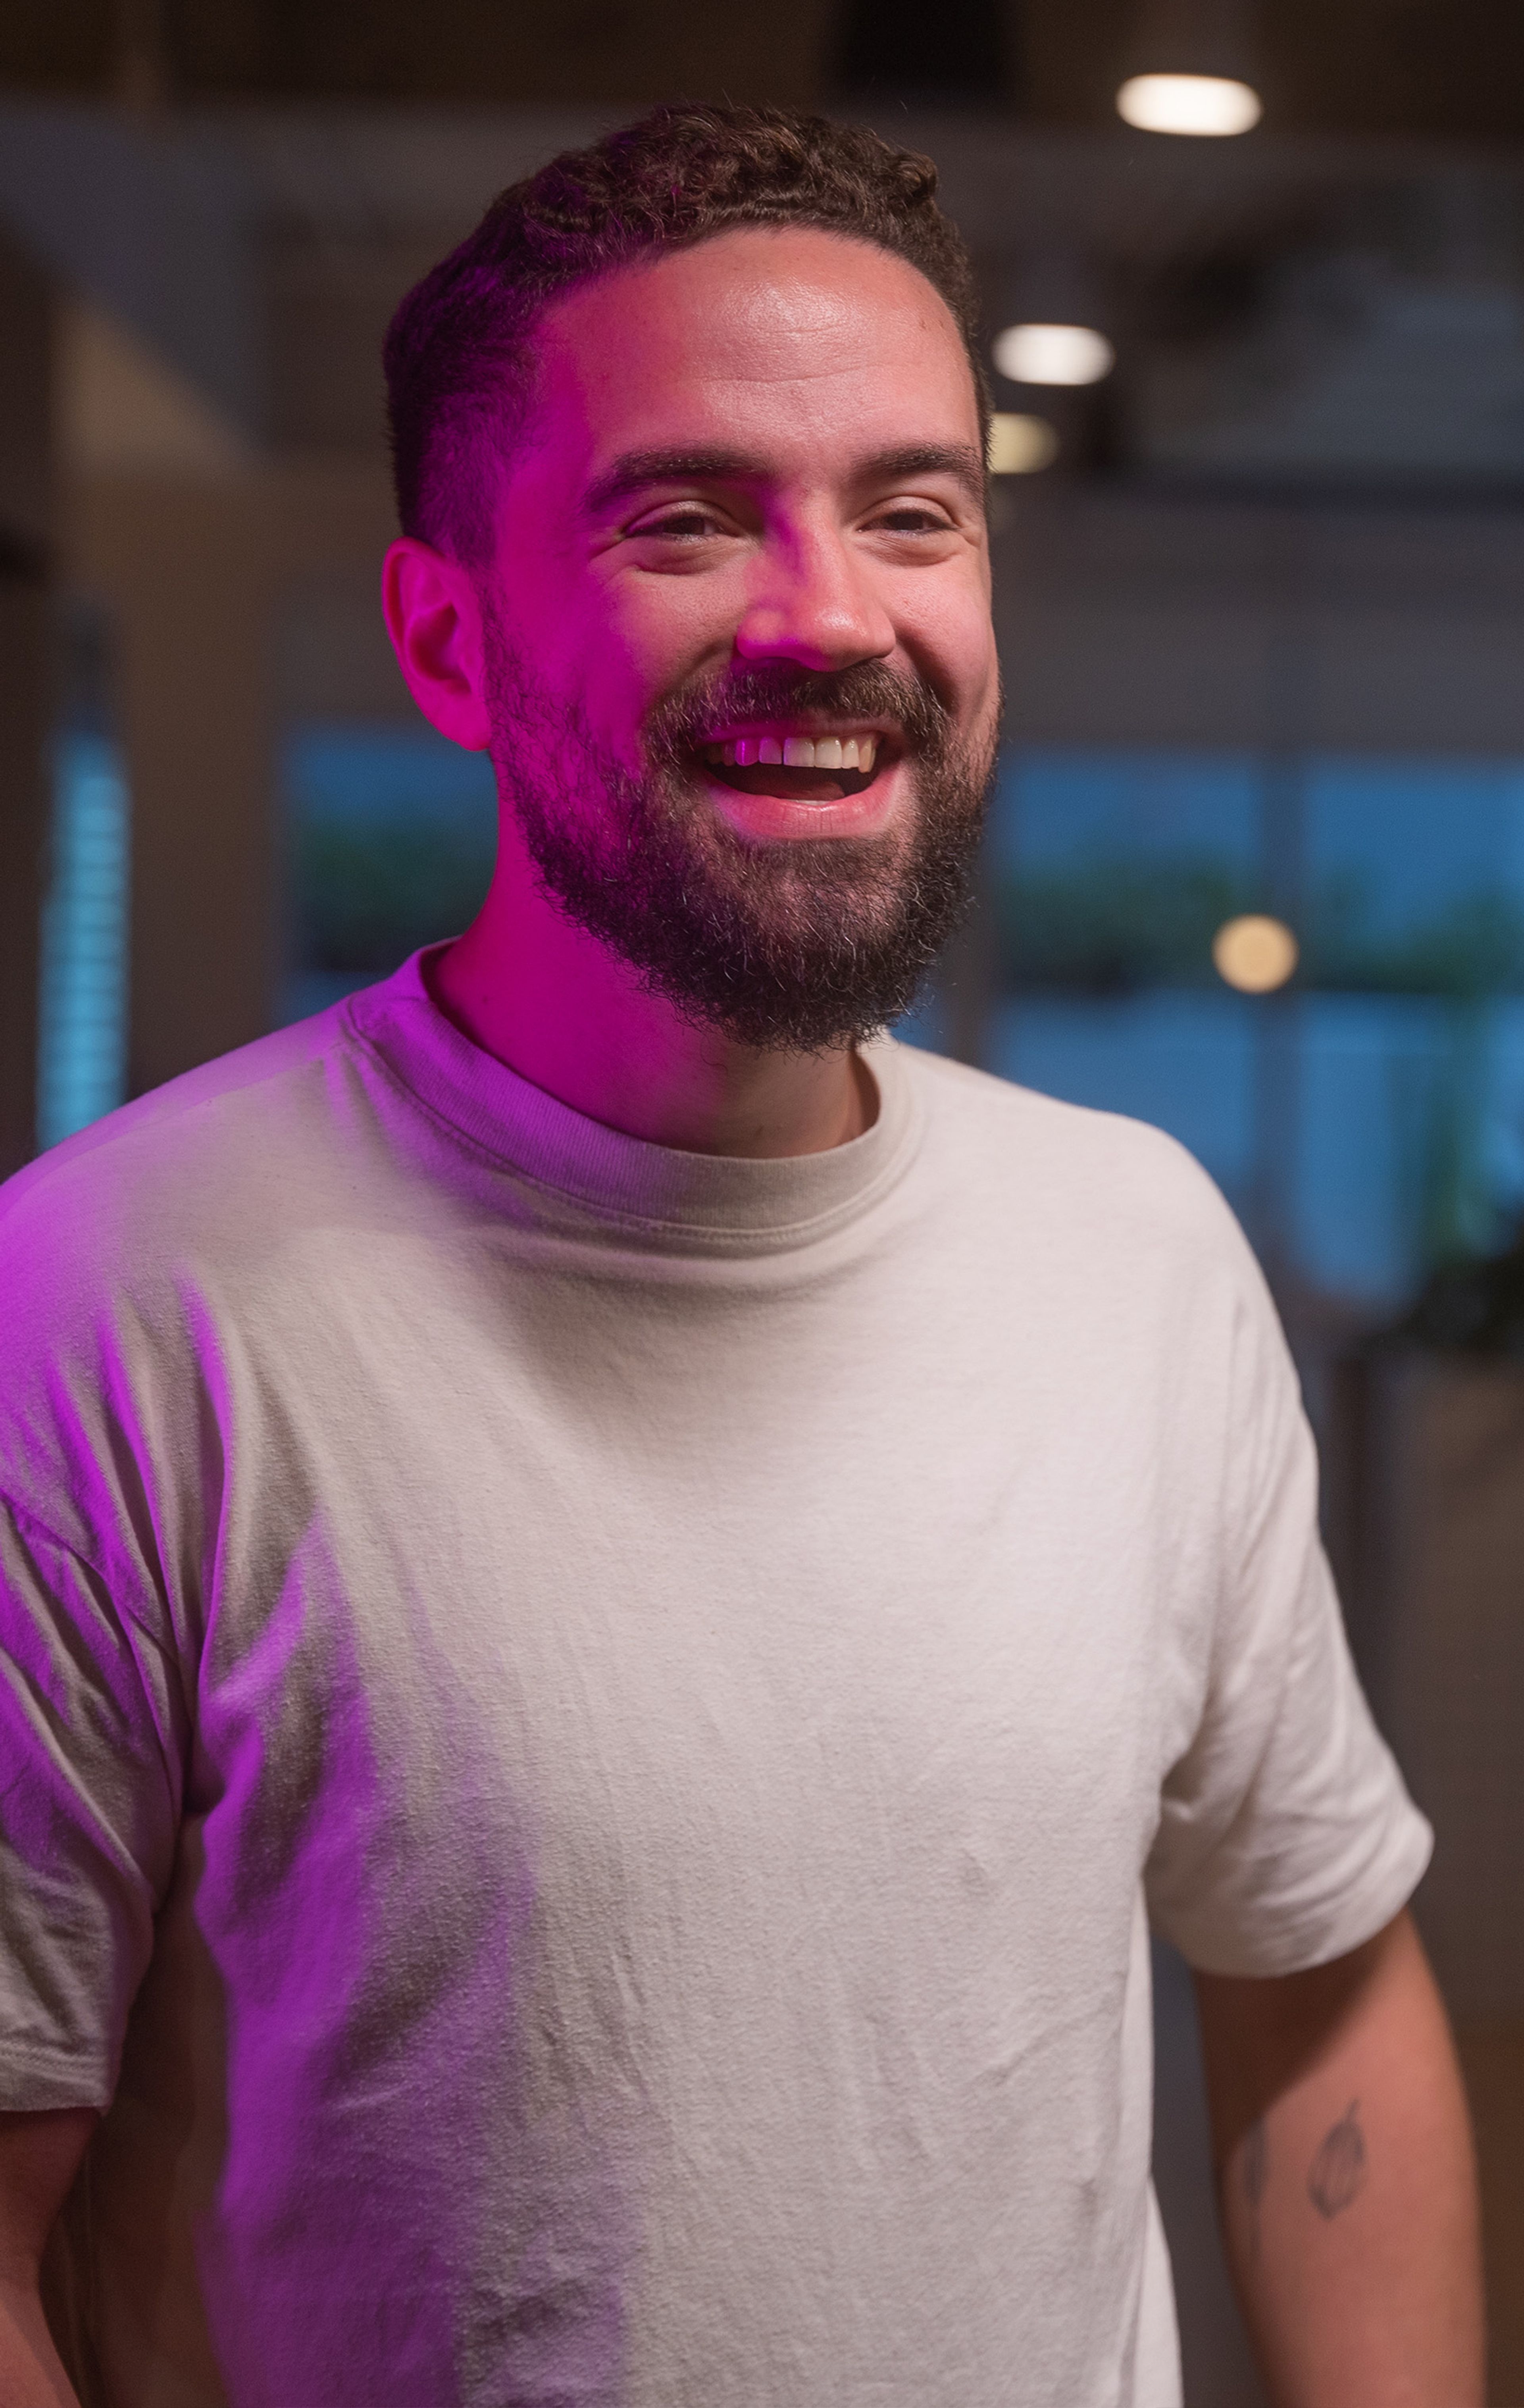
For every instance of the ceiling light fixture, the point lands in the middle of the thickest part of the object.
(1192, 68)
(1052, 354)
(1190, 104)
(1019, 445)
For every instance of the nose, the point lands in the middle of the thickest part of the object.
(813, 602)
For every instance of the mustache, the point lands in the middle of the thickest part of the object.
(780, 690)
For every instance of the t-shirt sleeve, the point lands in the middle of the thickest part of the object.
(91, 1746)
(1285, 1836)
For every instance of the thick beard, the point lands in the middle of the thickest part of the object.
(801, 946)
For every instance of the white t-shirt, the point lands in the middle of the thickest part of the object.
(585, 1731)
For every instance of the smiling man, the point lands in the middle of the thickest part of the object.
(621, 1597)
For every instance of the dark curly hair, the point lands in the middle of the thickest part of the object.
(458, 356)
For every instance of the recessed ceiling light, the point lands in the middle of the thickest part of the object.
(1254, 954)
(1190, 104)
(1040, 355)
(1018, 445)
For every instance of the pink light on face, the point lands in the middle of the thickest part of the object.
(720, 471)
(758, 455)
(765, 448)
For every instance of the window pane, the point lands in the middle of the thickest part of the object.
(1113, 872)
(1416, 875)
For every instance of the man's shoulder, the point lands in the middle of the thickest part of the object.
(1101, 1230)
(212, 1150)
(1099, 1170)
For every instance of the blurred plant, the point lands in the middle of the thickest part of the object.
(1118, 922)
(1473, 947)
(1440, 1117)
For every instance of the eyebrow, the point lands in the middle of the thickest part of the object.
(633, 471)
(959, 461)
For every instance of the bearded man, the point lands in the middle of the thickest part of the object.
(623, 1597)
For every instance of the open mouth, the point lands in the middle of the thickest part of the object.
(801, 769)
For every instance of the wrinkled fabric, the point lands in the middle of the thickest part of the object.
(589, 1733)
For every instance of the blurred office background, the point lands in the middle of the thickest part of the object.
(1255, 870)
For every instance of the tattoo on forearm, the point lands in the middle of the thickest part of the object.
(1254, 2169)
(1337, 2174)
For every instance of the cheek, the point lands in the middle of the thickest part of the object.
(951, 633)
(579, 647)
(674, 617)
(652, 635)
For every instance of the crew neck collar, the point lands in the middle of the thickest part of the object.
(716, 1199)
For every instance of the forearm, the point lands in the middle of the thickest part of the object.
(30, 2371)
(39, 2157)
(1349, 2204)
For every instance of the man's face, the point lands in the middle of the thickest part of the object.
(743, 681)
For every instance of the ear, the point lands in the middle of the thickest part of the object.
(434, 618)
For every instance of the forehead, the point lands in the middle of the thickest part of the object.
(793, 337)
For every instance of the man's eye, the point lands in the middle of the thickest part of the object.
(912, 518)
(687, 522)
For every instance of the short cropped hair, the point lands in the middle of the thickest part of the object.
(459, 353)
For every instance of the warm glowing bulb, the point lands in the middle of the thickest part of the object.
(1190, 104)
(1053, 354)
(1254, 954)
(1019, 444)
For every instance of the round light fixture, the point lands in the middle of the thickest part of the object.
(1254, 954)
(1041, 355)
(1190, 104)
(1018, 445)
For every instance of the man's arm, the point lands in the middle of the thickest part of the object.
(1347, 2180)
(39, 2156)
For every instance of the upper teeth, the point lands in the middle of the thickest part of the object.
(796, 751)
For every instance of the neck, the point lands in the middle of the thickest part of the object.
(557, 1007)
